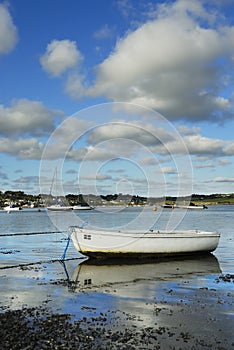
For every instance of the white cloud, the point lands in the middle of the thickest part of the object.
(62, 140)
(79, 140)
(103, 33)
(75, 85)
(8, 31)
(60, 56)
(220, 179)
(224, 162)
(201, 145)
(90, 154)
(198, 144)
(172, 64)
(185, 130)
(178, 8)
(125, 7)
(27, 180)
(117, 171)
(169, 170)
(140, 132)
(149, 161)
(22, 148)
(229, 150)
(205, 165)
(26, 117)
(98, 176)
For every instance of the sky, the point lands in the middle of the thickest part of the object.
(117, 96)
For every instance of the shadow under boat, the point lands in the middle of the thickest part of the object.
(94, 273)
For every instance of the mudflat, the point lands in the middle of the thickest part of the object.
(78, 306)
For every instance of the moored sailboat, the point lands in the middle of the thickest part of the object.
(58, 206)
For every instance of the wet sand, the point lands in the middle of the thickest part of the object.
(176, 305)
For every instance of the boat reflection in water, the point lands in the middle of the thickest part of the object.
(98, 274)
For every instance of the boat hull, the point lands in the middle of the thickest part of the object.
(192, 207)
(9, 208)
(59, 208)
(80, 207)
(142, 244)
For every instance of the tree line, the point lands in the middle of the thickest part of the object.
(22, 198)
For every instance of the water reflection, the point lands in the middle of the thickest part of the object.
(98, 274)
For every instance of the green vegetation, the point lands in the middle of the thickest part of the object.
(19, 198)
(215, 198)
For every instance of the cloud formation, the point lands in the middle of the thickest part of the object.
(22, 148)
(104, 32)
(81, 141)
(26, 117)
(60, 56)
(179, 64)
(8, 31)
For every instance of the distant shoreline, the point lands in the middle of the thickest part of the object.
(21, 199)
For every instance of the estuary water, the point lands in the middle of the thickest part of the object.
(30, 236)
(178, 300)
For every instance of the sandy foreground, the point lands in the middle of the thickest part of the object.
(41, 308)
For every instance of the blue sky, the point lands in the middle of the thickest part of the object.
(118, 95)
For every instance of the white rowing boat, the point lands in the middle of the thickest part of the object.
(97, 243)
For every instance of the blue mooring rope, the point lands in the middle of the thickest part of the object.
(69, 239)
(65, 250)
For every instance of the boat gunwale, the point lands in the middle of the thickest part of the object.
(148, 234)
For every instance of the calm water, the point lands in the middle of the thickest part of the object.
(44, 247)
